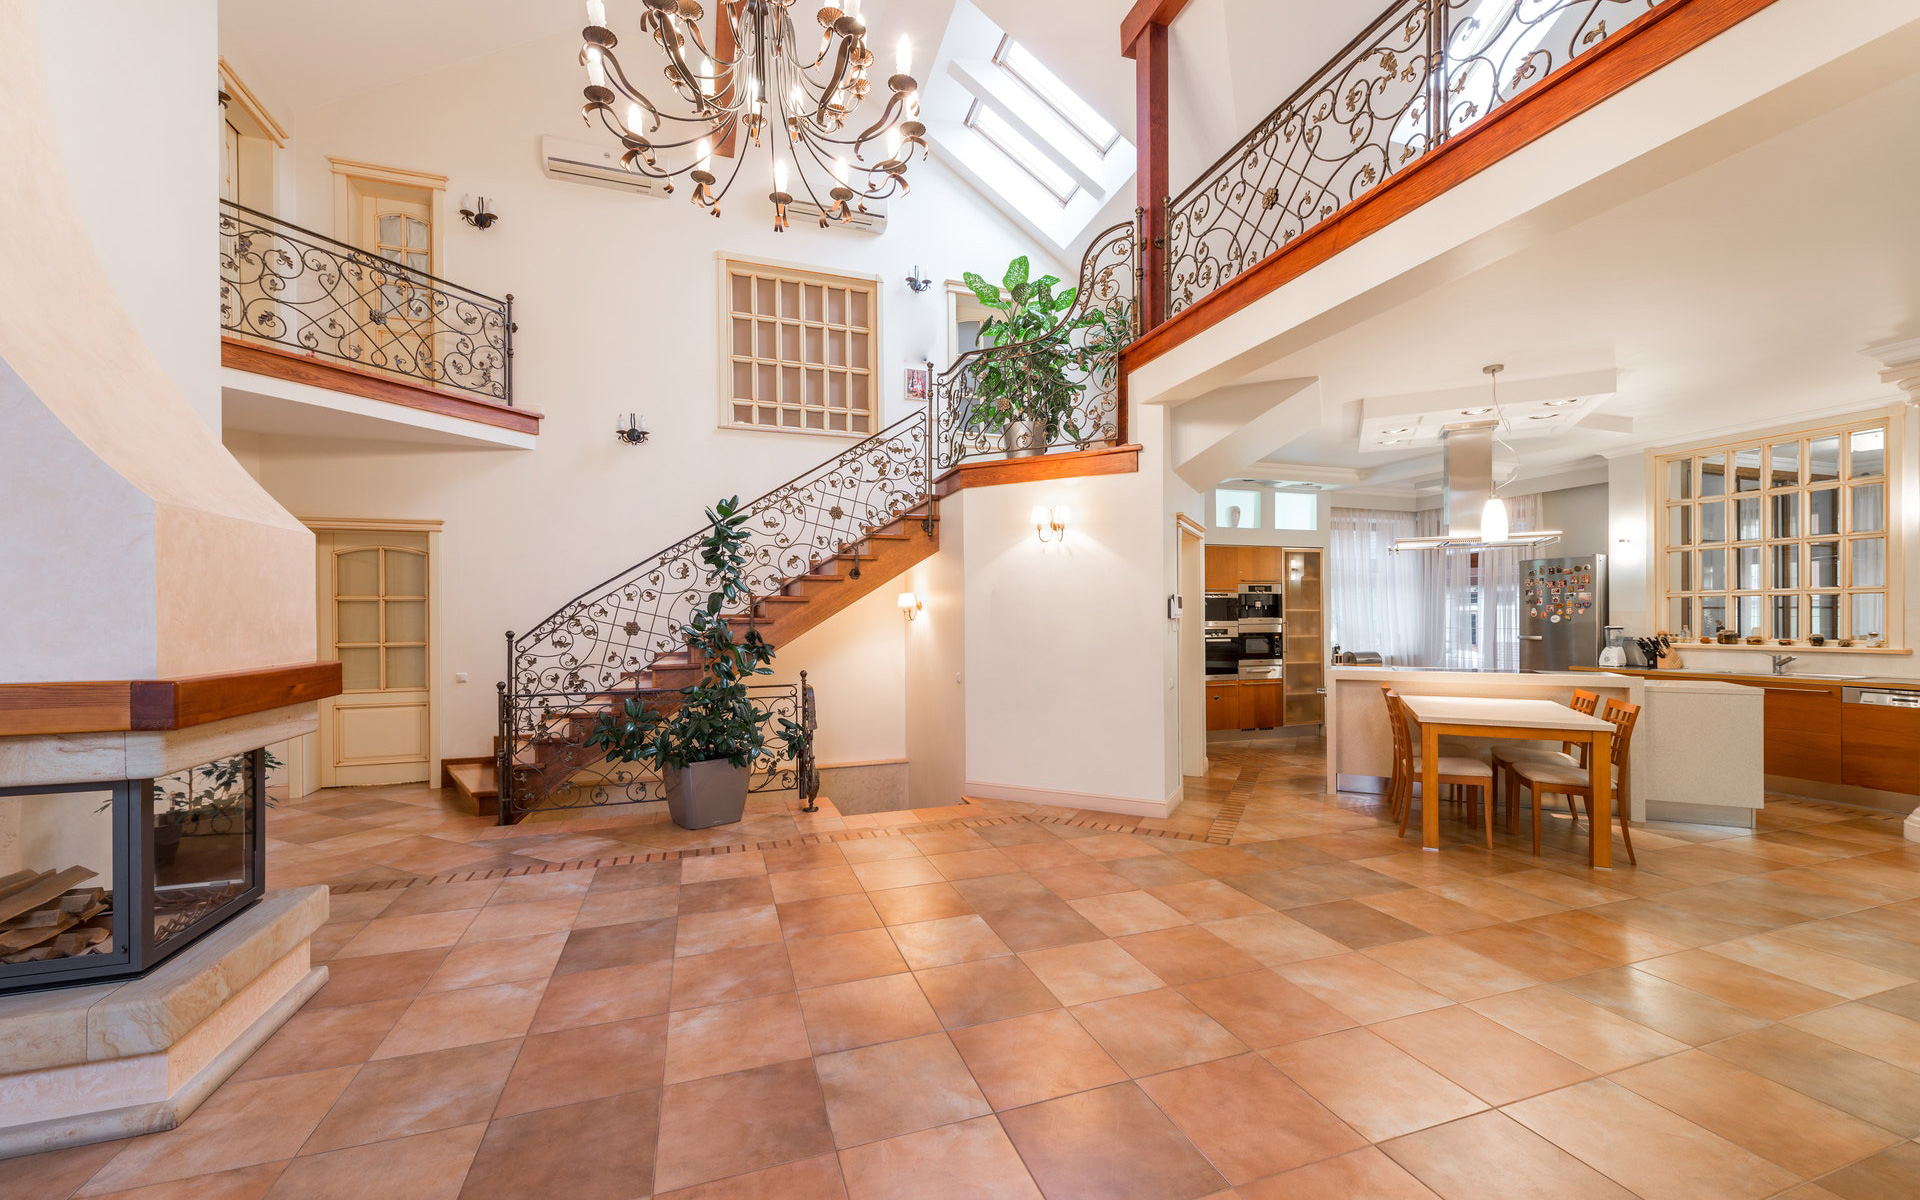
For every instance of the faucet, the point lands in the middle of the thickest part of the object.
(1780, 662)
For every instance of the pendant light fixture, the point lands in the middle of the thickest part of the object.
(1493, 517)
(1471, 490)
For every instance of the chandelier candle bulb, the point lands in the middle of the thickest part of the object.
(597, 13)
(703, 154)
(596, 70)
(903, 56)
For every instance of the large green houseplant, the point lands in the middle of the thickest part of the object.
(1028, 398)
(705, 738)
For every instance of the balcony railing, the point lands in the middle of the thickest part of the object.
(313, 295)
(1423, 73)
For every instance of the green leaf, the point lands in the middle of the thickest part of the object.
(984, 292)
(1017, 270)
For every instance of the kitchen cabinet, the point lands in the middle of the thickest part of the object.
(1262, 564)
(1223, 706)
(1223, 567)
(1880, 748)
(1261, 704)
(1305, 670)
(1803, 736)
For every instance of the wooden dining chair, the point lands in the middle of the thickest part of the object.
(1508, 753)
(1463, 774)
(1549, 778)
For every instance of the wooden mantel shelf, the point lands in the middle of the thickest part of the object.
(1068, 464)
(151, 705)
(278, 362)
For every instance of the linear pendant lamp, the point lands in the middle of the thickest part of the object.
(1470, 490)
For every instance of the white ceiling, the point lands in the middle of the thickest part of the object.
(1733, 297)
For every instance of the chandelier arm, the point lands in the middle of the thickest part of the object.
(837, 80)
(618, 128)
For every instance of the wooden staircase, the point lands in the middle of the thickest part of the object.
(803, 603)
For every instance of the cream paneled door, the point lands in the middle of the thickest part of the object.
(374, 618)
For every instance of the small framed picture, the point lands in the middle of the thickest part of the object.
(919, 383)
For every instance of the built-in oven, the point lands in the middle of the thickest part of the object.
(1223, 648)
(1223, 608)
(1260, 607)
(1261, 656)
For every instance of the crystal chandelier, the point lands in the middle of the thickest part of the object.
(758, 83)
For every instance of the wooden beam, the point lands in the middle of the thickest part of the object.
(1624, 59)
(1145, 14)
(1150, 72)
(277, 362)
(148, 705)
(724, 47)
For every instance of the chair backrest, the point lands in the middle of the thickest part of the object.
(1584, 701)
(1402, 740)
(1624, 716)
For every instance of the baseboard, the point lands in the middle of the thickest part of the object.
(1089, 800)
(1842, 793)
(1726, 815)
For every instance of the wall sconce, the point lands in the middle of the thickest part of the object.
(634, 432)
(910, 605)
(1050, 524)
(918, 282)
(479, 216)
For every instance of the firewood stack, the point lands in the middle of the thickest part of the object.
(43, 914)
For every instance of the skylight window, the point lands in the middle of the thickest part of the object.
(1016, 60)
(1002, 136)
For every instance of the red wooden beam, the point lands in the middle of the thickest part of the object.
(723, 47)
(1150, 69)
(1147, 13)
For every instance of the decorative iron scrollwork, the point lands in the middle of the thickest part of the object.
(1423, 72)
(305, 291)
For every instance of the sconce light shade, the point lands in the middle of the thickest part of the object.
(634, 431)
(1050, 524)
(910, 604)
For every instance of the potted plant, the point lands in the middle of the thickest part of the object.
(1027, 398)
(705, 738)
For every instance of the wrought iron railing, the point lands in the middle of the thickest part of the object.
(547, 765)
(592, 650)
(1059, 390)
(305, 291)
(1422, 73)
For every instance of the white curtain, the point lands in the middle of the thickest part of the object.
(1473, 597)
(1374, 596)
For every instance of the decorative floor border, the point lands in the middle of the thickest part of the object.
(789, 843)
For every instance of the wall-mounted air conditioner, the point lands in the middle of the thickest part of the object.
(593, 163)
(806, 212)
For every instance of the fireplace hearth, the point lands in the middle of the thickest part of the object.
(104, 881)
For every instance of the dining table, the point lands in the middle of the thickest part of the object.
(1515, 720)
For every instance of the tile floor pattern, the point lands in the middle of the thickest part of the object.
(1013, 1008)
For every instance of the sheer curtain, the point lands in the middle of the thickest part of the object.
(1474, 598)
(1375, 596)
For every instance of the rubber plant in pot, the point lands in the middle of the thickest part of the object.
(705, 738)
(1028, 397)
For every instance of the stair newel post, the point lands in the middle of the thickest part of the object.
(808, 782)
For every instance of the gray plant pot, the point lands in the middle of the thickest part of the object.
(1024, 439)
(707, 794)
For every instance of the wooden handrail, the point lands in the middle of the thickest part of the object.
(1622, 60)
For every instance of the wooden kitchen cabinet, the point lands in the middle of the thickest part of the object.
(1262, 564)
(1223, 567)
(1803, 733)
(1880, 748)
(1261, 704)
(1223, 706)
(1306, 638)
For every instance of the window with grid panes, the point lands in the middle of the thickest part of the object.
(801, 351)
(1779, 537)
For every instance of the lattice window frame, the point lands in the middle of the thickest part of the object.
(805, 349)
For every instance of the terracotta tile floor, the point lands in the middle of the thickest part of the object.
(1268, 995)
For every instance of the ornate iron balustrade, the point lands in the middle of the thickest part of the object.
(546, 766)
(1061, 389)
(1424, 72)
(308, 292)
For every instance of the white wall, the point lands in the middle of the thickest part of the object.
(134, 94)
(616, 300)
(936, 668)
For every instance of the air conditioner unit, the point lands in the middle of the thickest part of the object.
(806, 211)
(593, 163)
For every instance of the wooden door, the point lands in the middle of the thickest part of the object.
(1260, 705)
(397, 225)
(1223, 568)
(1223, 706)
(1803, 734)
(374, 619)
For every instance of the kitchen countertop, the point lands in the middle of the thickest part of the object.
(1757, 677)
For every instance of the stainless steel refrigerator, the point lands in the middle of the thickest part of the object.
(1563, 612)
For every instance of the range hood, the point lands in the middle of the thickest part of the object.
(1468, 483)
